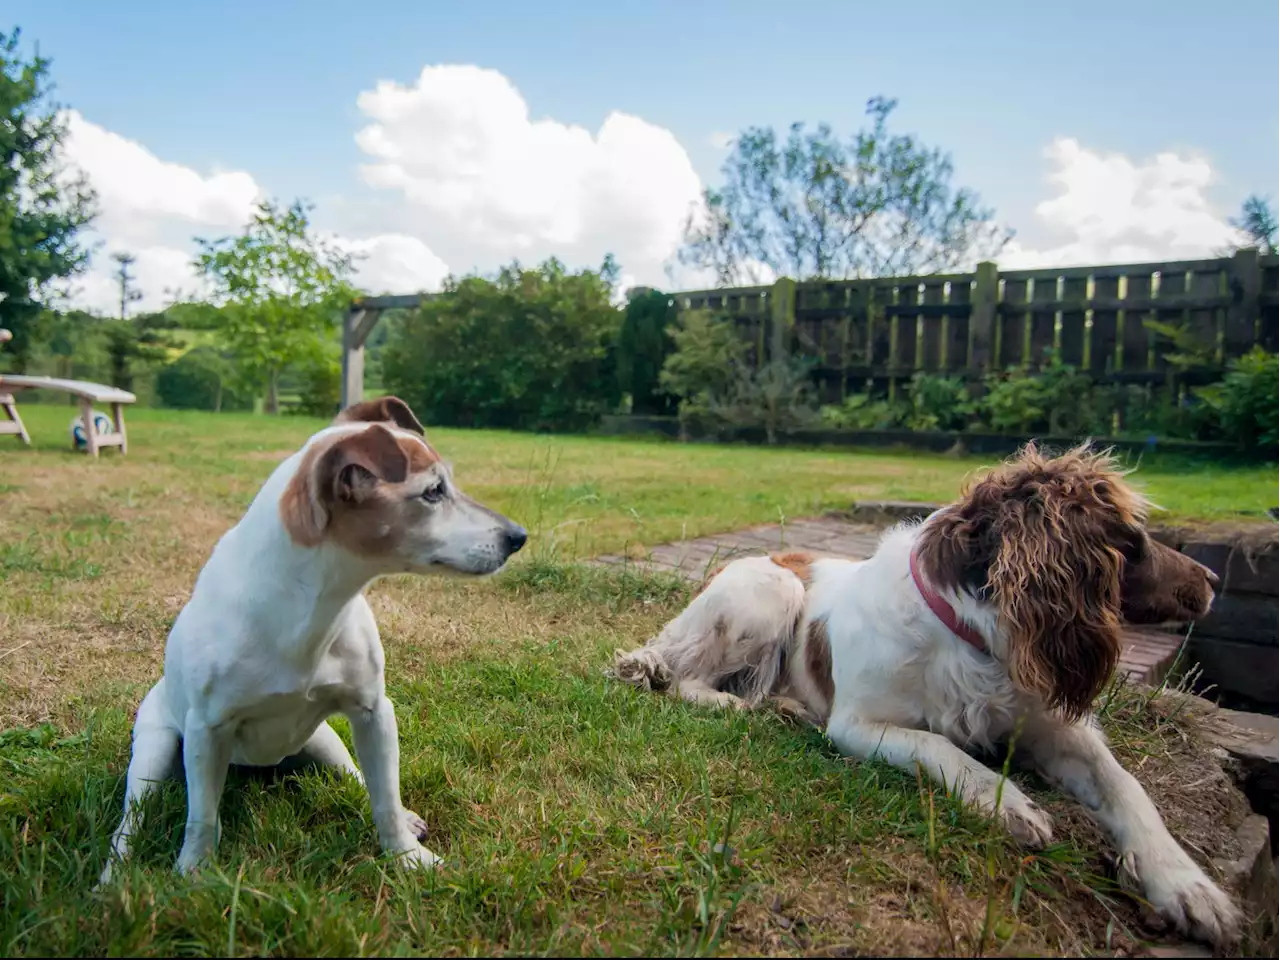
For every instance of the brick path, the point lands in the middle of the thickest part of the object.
(1146, 657)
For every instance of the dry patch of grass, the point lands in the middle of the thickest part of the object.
(577, 816)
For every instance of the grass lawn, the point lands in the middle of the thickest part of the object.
(576, 816)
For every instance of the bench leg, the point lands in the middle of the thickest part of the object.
(90, 434)
(117, 415)
(11, 410)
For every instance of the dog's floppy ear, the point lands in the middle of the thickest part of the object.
(382, 410)
(346, 471)
(1055, 576)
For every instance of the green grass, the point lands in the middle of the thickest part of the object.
(576, 816)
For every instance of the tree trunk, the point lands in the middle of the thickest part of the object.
(217, 397)
(273, 393)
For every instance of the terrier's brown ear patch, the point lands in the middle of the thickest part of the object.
(382, 410)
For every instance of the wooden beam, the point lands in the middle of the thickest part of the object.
(401, 302)
(353, 355)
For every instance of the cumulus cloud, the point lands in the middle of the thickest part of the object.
(460, 146)
(153, 208)
(1109, 208)
(395, 263)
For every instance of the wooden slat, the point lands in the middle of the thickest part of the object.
(1013, 323)
(1071, 337)
(1044, 298)
(931, 345)
(96, 392)
(1135, 337)
(904, 325)
(1102, 335)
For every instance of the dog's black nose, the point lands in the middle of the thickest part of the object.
(516, 538)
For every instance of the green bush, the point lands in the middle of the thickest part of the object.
(643, 347)
(1058, 399)
(859, 411)
(939, 403)
(527, 349)
(1245, 402)
(199, 380)
(777, 397)
(320, 389)
(701, 367)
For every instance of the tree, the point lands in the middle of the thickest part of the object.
(702, 365)
(128, 292)
(131, 340)
(529, 349)
(815, 206)
(1257, 223)
(281, 290)
(43, 204)
(643, 346)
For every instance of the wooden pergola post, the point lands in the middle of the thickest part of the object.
(360, 319)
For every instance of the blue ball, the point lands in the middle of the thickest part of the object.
(101, 424)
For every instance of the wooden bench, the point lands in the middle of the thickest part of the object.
(87, 393)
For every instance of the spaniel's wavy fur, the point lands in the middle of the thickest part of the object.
(1044, 558)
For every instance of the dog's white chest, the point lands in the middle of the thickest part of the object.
(279, 725)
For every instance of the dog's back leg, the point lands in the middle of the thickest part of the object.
(156, 746)
(325, 749)
(699, 691)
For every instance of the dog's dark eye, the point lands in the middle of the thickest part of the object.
(434, 493)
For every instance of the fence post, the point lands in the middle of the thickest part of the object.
(982, 318)
(782, 317)
(352, 357)
(1245, 279)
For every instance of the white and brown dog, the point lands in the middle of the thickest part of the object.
(997, 617)
(277, 635)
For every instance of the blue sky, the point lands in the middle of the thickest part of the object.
(271, 88)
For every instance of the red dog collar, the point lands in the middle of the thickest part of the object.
(943, 611)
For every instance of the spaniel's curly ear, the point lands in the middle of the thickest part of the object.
(1054, 572)
(1055, 579)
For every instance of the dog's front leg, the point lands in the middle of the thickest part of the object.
(206, 755)
(377, 742)
(944, 763)
(1076, 757)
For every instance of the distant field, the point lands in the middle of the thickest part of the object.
(576, 817)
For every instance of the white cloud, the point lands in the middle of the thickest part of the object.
(721, 140)
(459, 144)
(1109, 208)
(153, 208)
(395, 263)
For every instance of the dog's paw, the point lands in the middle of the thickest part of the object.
(189, 861)
(1026, 823)
(642, 668)
(417, 826)
(418, 858)
(1178, 890)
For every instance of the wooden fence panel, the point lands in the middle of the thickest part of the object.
(874, 334)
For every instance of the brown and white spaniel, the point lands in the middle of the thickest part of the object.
(998, 617)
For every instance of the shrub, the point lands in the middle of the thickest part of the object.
(199, 380)
(643, 347)
(320, 390)
(1058, 399)
(859, 411)
(1245, 402)
(939, 403)
(777, 397)
(527, 349)
(702, 364)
